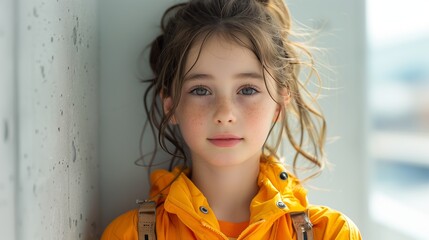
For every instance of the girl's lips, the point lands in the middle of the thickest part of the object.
(225, 140)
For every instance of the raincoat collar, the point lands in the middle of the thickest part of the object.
(279, 193)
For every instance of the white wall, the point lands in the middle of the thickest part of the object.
(128, 26)
(48, 65)
(7, 121)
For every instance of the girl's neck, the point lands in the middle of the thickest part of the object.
(228, 189)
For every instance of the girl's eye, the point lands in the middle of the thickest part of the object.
(248, 91)
(200, 91)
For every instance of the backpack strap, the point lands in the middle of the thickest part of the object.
(147, 219)
(303, 227)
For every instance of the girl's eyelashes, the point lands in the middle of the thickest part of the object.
(248, 90)
(200, 91)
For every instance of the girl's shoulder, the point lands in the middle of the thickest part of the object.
(328, 222)
(122, 227)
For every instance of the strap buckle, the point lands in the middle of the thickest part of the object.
(303, 226)
(147, 220)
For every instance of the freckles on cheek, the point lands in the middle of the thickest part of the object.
(195, 120)
(195, 115)
(255, 120)
(253, 110)
(259, 114)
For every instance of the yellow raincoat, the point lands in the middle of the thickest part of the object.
(184, 213)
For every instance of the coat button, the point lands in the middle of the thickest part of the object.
(283, 176)
(281, 205)
(204, 210)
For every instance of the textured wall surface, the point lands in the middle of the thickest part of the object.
(7, 121)
(57, 117)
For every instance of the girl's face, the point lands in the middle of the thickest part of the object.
(225, 111)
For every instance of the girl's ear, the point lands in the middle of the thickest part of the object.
(276, 116)
(284, 100)
(167, 106)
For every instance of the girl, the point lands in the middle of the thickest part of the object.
(226, 84)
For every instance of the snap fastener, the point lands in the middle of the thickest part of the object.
(281, 204)
(204, 210)
(284, 176)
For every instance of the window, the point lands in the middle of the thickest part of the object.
(398, 65)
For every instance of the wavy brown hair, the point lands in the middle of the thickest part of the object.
(266, 26)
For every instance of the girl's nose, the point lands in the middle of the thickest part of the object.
(224, 112)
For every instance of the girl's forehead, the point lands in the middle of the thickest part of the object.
(221, 39)
(220, 47)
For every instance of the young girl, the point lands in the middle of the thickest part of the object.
(226, 84)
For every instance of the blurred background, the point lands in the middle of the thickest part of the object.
(398, 108)
(71, 113)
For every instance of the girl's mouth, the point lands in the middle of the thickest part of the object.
(225, 140)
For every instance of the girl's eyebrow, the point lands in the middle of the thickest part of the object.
(244, 75)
